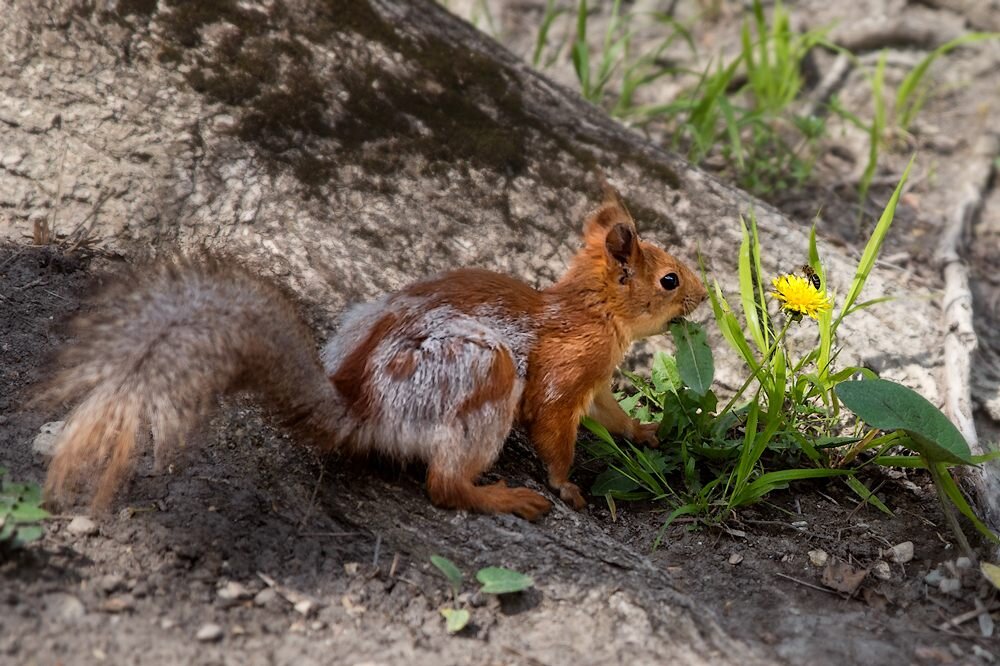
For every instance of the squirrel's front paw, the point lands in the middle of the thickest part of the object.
(645, 433)
(570, 493)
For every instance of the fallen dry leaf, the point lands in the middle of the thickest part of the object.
(842, 577)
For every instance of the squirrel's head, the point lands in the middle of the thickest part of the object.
(646, 287)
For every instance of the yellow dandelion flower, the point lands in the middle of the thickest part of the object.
(799, 297)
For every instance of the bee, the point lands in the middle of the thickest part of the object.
(811, 275)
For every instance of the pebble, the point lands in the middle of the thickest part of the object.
(901, 553)
(233, 592)
(82, 526)
(351, 568)
(44, 443)
(167, 624)
(881, 570)
(950, 585)
(984, 655)
(818, 557)
(209, 633)
(934, 577)
(735, 558)
(118, 604)
(963, 563)
(70, 608)
(265, 597)
(111, 583)
(305, 607)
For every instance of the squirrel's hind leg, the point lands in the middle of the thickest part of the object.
(479, 425)
(451, 490)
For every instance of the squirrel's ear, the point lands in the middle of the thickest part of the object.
(622, 243)
(611, 213)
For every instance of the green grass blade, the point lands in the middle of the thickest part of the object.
(776, 480)
(908, 102)
(956, 497)
(867, 496)
(541, 41)
(873, 247)
(683, 510)
(876, 129)
(748, 291)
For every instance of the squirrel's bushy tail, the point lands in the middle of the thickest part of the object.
(155, 353)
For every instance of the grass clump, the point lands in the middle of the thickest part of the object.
(786, 421)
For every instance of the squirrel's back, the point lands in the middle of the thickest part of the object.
(420, 367)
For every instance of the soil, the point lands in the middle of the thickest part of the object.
(333, 556)
(248, 502)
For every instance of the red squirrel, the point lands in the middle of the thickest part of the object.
(439, 371)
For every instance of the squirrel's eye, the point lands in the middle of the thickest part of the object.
(670, 281)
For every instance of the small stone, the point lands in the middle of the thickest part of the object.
(963, 563)
(934, 577)
(209, 633)
(70, 608)
(881, 570)
(984, 655)
(111, 583)
(901, 553)
(82, 526)
(237, 630)
(317, 625)
(351, 568)
(44, 443)
(99, 654)
(950, 586)
(167, 624)
(297, 627)
(233, 592)
(305, 607)
(265, 597)
(735, 558)
(818, 557)
(117, 605)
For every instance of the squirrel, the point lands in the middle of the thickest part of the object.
(438, 372)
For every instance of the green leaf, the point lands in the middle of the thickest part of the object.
(614, 483)
(450, 571)
(497, 580)
(694, 357)
(28, 513)
(665, 374)
(27, 534)
(890, 406)
(455, 619)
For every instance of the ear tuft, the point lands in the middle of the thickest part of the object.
(622, 243)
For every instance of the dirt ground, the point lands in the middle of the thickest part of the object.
(320, 578)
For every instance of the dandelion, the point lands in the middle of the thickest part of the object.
(799, 297)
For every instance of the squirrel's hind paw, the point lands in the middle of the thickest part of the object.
(570, 493)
